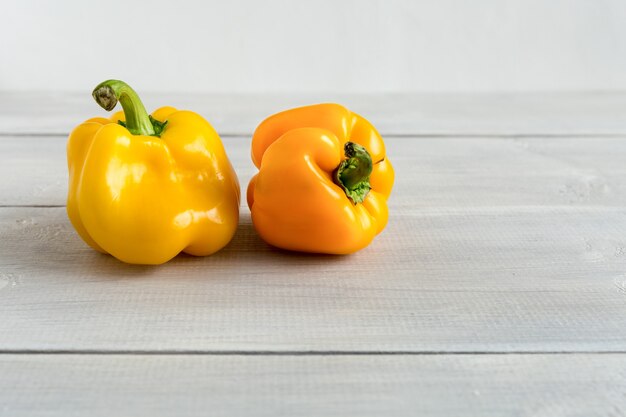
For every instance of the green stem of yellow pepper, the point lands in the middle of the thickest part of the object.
(138, 122)
(353, 174)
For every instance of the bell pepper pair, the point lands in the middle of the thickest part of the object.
(144, 188)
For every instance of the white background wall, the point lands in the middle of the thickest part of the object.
(322, 45)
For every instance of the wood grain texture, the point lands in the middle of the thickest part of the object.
(507, 234)
(430, 172)
(493, 245)
(401, 114)
(460, 280)
(342, 386)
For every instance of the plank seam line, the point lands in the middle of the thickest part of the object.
(31, 205)
(430, 210)
(299, 352)
(469, 135)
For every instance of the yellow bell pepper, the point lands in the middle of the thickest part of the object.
(144, 188)
(323, 180)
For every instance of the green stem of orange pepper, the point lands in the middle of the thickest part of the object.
(353, 174)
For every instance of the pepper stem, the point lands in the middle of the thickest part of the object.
(353, 173)
(138, 122)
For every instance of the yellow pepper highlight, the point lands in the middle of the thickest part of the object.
(323, 180)
(144, 188)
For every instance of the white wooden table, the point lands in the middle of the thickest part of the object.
(498, 288)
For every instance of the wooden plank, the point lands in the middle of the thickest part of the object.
(397, 114)
(431, 172)
(398, 385)
(529, 279)
(34, 169)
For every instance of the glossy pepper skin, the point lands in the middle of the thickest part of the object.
(144, 198)
(298, 201)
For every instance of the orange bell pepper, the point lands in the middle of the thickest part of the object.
(323, 180)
